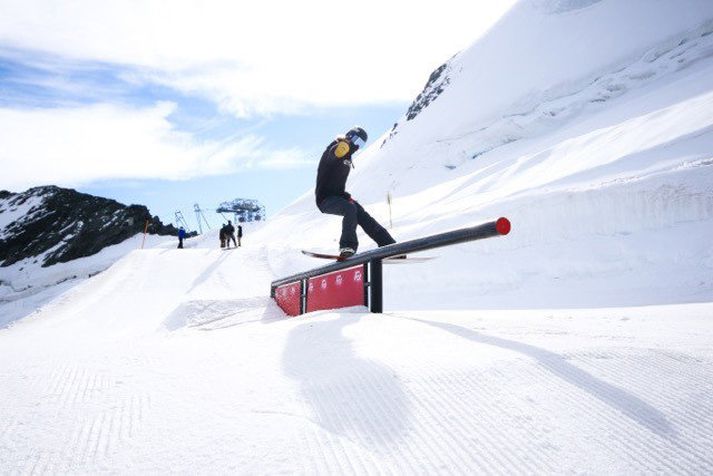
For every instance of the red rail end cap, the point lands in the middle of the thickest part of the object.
(502, 226)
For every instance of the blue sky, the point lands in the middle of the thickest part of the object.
(273, 187)
(168, 104)
(35, 80)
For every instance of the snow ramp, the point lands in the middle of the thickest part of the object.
(169, 289)
(176, 360)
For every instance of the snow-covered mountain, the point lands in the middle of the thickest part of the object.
(589, 125)
(55, 225)
(52, 238)
(579, 343)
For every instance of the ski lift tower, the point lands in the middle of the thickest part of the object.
(180, 221)
(199, 215)
(243, 209)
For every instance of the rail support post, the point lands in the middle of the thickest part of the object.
(376, 304)
(303, 296)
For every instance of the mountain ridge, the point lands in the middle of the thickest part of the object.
(57, 225)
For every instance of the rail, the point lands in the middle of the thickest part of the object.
(372, 260)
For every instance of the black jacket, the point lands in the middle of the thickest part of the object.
(333, 171)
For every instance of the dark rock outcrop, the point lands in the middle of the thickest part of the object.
(434, 87)
(436, 84)
(62, 224)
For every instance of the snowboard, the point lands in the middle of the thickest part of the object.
(392, 260)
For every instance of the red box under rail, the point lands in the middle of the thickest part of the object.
(289, 298)
(335, 290)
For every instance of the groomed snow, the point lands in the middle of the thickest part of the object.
(176, 361)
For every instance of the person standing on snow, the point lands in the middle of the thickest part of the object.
(333, 199)
(222, 235)
(230, 235)
(181, 236)
(240, 234)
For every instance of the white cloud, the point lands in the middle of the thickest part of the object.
(250, 58)
(76, 146)
(263, 56)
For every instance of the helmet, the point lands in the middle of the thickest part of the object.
(357, 136)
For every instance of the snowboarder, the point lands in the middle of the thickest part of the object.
(240, 234)
(333, 199)
(230, 235)
(181, 236)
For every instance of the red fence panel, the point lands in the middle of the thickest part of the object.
(288, 297)
(335, 290)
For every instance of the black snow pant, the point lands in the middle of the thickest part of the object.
(354, 214)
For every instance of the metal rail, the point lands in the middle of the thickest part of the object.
(499, 227)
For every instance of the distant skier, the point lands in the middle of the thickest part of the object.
(230, 235)
(333, 199)
(181, 236)
(240, 234)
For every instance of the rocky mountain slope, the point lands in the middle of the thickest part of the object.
(52, 239)
(57, 225)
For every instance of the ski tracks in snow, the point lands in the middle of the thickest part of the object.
(529, 392)
(76, 415)
(519, 408)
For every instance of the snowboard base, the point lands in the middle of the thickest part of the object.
(392, 260)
